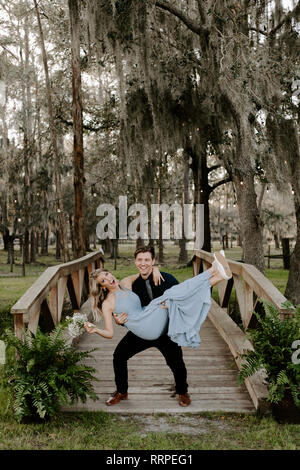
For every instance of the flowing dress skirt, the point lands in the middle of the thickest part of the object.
(188, 305)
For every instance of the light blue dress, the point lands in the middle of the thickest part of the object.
(188, 305)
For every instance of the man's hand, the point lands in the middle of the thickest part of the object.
(120, 319)
(157, 277)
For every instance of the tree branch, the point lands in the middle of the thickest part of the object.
(11, 53)
(214, 167)
(201, 11)
(191, 24)
(87, 127)
(258, 31)
(219, 183)
(288, 17)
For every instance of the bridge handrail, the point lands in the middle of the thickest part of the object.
(55, 280)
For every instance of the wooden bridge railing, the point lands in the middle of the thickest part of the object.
(46, 296)
(250, 286)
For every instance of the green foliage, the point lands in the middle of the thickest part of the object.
(273, 351)
(6, 319)
(44, 373)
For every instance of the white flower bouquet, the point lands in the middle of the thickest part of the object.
(76, 324)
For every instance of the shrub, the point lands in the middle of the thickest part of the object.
(6, 319)
(272, 342)
(47, 373)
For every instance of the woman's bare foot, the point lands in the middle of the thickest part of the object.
(222, 265)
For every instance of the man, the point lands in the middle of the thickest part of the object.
(131, 344)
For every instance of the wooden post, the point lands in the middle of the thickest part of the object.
(245, 299)
(19, 325)
(72, 293)
(47, 318)
(196, 266)
(53, 304)
(62, 283)
(34, 320)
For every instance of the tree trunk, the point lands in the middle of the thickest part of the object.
(285, 242)
(283, 135)
(202, 191)
(22, 254)
(72, 233)
(44, 241)
(42, 238)
(26, 127)
(87, 243)
(160, 227)
(58, 194)
(251, 225)
(183, 257)
(38, 242)
(239, 165)
(292, 291)
(139, 242)
(58, 246)
(107, 246)
(79, 223)
(276, 240)
(5, 234)
(26, 247)
(11, 252)
(32, 246)
(115, 249)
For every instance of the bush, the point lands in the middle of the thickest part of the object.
(47, 373)
(6, 319)
(273, 351)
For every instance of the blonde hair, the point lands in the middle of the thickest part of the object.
(97, 292)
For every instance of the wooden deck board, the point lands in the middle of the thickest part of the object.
(212, 378)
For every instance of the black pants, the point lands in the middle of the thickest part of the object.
(132, 344)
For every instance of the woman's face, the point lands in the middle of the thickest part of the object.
(107, 280)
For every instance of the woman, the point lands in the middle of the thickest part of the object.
(180, 311)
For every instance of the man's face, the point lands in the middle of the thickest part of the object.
(144, 263)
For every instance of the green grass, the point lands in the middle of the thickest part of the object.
(278, 277)
(104, 431)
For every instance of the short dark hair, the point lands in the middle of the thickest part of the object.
(145, 249)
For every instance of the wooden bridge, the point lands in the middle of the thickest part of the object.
(212, 369)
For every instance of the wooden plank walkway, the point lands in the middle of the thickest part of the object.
(212, 378)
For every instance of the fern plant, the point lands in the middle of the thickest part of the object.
(272, 342)
(45, 373)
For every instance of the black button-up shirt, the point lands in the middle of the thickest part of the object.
(139, 287)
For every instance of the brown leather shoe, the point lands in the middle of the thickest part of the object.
(184, 399)
(116, 398)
